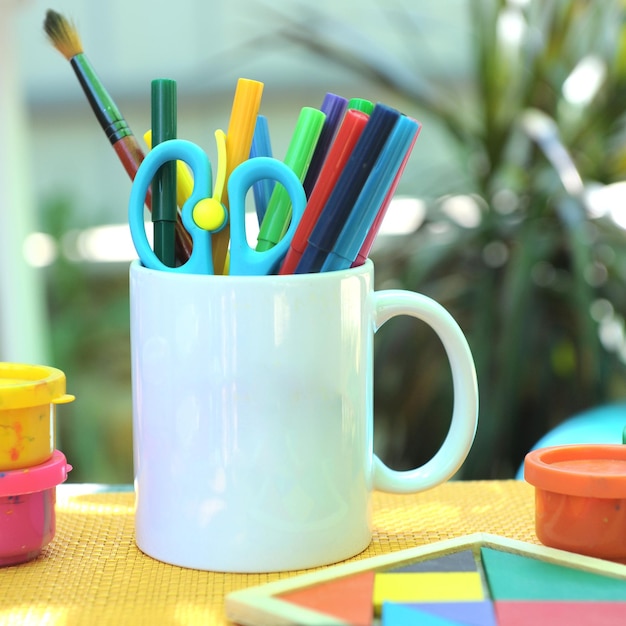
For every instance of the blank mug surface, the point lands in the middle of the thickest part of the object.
(252, 417)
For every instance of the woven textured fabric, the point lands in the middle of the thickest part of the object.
(92, 573)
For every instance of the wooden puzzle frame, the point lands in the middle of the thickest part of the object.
(260, 606)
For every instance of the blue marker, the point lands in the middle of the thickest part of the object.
(343, 197)
(375, 190)
(261, 146)
(333, 107)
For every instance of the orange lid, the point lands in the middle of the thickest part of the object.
(588, 470)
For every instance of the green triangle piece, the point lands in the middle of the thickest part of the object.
(515, 577)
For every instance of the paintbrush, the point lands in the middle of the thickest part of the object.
(64, 37)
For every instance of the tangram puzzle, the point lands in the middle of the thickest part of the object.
(477, 580)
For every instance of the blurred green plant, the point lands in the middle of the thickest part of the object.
(90, 342)
(536, 135)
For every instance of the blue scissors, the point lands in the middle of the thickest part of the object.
(202, 213)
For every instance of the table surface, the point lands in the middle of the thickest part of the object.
(93, 573)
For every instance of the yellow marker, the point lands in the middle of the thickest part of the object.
(245, 109)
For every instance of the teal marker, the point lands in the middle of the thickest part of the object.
(298, 157)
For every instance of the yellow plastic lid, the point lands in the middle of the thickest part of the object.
(23, 385)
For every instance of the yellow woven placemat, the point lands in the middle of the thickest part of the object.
(93, 574)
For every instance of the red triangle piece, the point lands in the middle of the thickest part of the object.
(348, 598)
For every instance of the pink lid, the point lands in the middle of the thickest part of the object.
(35, 478)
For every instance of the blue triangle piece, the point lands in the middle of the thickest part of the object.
(466, 613)
(395, 614)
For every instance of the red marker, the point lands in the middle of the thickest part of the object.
(338, 155)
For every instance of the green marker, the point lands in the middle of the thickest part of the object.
(360, 104)
(298, 157)
(164, 207)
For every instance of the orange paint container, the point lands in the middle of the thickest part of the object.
(580, 498)
(28, 398)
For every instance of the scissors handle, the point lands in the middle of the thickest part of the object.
(200, 261)
(244, 259)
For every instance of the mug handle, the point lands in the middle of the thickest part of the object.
(456, 446)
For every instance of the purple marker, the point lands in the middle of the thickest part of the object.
(333, 107)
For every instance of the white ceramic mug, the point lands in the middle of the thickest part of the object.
(252, 415)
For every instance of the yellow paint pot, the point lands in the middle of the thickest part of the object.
(28, 398)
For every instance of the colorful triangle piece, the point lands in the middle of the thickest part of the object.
(462, 561)
(466, 613)
(561, 613)
(515, 577)
(415, 587)
(394, 614)
(348, 598)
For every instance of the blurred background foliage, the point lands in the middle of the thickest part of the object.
(525, 249)
(89, 309)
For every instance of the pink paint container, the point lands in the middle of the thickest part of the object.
(27, 508)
